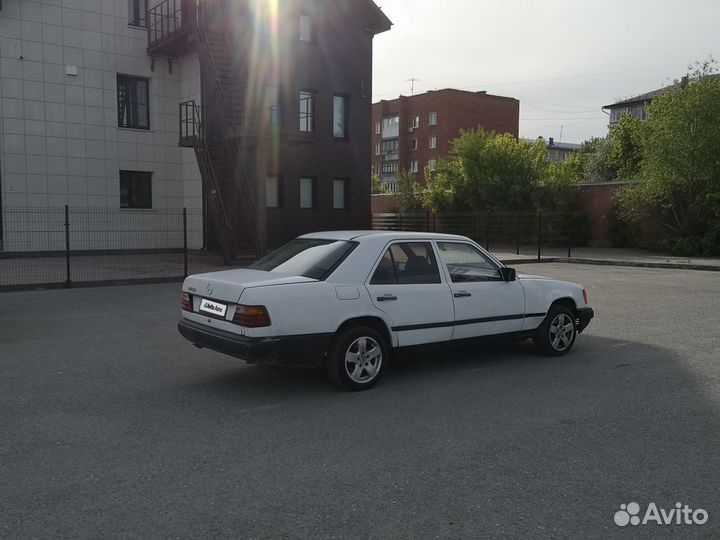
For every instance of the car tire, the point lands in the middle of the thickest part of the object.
(357, 358)
(556, 335)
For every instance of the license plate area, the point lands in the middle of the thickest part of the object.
(212, 308)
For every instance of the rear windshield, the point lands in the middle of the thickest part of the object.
(311, 258)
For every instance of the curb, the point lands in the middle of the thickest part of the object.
(604, 262)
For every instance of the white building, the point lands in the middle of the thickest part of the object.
(87, 118)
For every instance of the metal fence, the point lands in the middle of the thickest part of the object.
(531, 234)
(66, 247)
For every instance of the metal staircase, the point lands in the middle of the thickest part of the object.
(212, 131)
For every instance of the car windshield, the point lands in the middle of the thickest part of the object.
(312, 258)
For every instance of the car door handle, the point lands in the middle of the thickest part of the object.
(462, 294)
(387, 298)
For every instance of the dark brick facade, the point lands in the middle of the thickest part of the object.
(456, 110)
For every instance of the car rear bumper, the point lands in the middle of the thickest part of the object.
(584, 316)
(306, 351)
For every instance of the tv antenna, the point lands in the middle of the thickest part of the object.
(412, 82)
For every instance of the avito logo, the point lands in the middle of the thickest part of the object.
(629, 514)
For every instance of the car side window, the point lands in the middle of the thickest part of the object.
(407, 263)
(466, 264)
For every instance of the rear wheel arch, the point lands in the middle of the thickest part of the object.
(373, 322)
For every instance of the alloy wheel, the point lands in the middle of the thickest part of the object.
(363, 360)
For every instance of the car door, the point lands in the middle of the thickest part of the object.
(408, 286)
(485, 304)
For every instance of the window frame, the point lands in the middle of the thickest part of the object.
(345, 182)
(433, 119)
(273, 117)
(133, 107)
(414, 166)
(279, 198)
(313, 186)
(431, 250)
(134, 176)
(413, 145)
(482, 253)
(415, 122)
(310, 117)
(305, 15)
(139, 16)
(432, 143)
(346, 117)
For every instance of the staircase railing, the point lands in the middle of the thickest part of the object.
(224, 104)
(192, 129)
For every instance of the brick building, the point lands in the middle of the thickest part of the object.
(410, 133)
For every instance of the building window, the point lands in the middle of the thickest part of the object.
(432, 120)
(307, 112)
(390, 167)
(377, 149)
(414, 144)
(414, 166)
(340, 117)
(133, 102)
(306, 30)
(136, 12)
(378, 128)
(391, 146)
(415, 122)
(272, 192)
(135, 189)
(339, 200)
(432, 165)
(433, 142)
(306, 192)
(272, 107)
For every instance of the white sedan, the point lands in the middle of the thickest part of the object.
(345, 300)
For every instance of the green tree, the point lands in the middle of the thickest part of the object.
(595, 159)
(680, 165)
(487, 171)
(559, 181)
(376, 184)
(409, 193)
(626, 147)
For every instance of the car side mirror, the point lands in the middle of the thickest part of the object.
(508, 274)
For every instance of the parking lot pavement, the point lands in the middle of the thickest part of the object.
(112, 426)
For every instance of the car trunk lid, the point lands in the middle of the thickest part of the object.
(229, 285)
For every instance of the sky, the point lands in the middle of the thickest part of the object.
(562, 59)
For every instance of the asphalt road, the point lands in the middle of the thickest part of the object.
(111, 426)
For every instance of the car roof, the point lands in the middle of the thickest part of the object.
(360, 236)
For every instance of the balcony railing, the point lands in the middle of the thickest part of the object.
(191, 123)
(168, 20)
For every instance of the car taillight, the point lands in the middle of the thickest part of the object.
(185, 302)
(585, 296)
(251, 316)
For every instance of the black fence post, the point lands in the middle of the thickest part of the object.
(67, 247)
(427, 220)
(473, 230)
(539, 236)
(185, 244)
(434, 223)
(517, 234)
